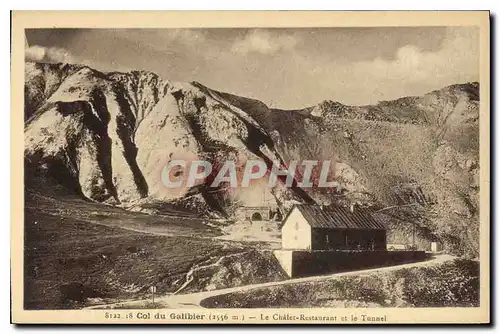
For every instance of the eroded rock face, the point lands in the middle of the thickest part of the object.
(114, 133)
(108, 136)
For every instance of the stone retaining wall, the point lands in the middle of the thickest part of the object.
(302, 263)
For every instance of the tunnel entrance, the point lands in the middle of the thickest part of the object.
(256, 216)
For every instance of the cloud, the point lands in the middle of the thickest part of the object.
(410, 71)
(262, 41)
(162, 40)
(457, 59)
(38, 53)
(290, 68)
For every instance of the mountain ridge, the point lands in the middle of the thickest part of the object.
(107, 136)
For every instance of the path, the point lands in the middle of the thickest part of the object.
(193, 300)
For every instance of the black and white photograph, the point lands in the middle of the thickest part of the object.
(197, 174)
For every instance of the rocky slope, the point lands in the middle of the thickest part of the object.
(107, 136)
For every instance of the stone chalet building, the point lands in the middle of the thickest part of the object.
(314, 227)
(325, 239)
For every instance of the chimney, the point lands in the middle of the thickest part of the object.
(352, 207)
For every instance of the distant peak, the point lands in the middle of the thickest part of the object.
(330, 103)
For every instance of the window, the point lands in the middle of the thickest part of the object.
(297, 225)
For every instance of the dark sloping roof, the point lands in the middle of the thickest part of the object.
(337, 217)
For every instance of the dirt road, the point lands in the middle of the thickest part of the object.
(193, 300)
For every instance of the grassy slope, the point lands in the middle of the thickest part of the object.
(72, 206)
(79, 252)
(100, 261)
(451, 284)
(396, 164)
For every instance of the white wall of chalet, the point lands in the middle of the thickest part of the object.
(296, 232)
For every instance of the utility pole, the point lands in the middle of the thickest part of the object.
(413, 234)
(153, 290)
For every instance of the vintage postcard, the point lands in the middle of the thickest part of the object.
(250, 167)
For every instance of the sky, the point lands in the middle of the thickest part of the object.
(284, 68)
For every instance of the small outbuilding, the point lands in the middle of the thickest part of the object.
(315, 227)
(436, 246)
